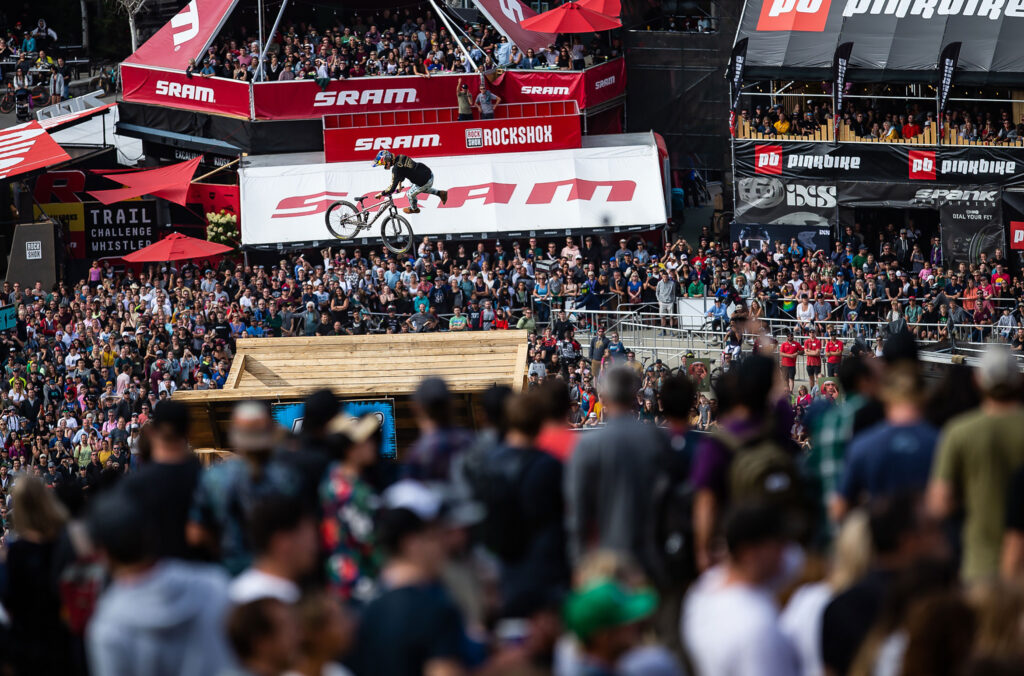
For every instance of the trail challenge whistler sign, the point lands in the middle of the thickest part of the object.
(117, 229)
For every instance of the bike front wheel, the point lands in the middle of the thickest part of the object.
(6, 104)
(396, 233)
(342, 219)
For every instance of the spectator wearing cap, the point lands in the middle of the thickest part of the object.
(977, 453)
(413, 627)
(348, 504)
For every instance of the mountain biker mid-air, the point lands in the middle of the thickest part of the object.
(404, 167)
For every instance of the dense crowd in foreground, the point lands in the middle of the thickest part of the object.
(528, 546)
(895, 545)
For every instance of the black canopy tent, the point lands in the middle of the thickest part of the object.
(893, 40)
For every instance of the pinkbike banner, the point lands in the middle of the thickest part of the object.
(558, 190)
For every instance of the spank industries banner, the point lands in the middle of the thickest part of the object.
(516, 192)
(770, 200)
(506, 15)
(879, 162)
(162, 87)
(186, 36)
(476, 137)
(901, 37)
(970, 223)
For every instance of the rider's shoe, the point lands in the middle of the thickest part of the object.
(443, 194)
(411, 210)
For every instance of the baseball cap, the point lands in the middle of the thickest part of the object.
(605, 604)
(356, 429)
(998, 372)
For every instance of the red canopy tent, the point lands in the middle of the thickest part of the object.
(171, 183)
(177, 247)
(572, 17)
(27, 146)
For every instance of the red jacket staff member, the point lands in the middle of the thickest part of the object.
(812, 348)
(788, 352)
(833, 354)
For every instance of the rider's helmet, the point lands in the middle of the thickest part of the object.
(383, 158)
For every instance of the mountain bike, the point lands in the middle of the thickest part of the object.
(8, 99)
(344, 221)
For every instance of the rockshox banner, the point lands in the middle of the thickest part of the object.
(879, 162)
(895, 38)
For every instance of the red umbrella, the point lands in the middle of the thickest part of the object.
(607, 7)
(176, 247)
(571, 17)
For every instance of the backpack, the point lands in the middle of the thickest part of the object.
(761, 470)
(673, 495)
(80, 585)
(495, 483)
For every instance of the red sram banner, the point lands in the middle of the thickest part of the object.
(172, 88)
(475, 137)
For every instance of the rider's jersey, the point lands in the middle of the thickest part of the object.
(407, 168)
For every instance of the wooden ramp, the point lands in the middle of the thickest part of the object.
(357, 367)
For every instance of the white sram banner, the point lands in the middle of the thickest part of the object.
(493, 194)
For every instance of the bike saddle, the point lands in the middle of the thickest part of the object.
(362, 198)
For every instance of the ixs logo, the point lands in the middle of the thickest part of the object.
(921, 164)
(1017, 235)
(768, 159)
(545, 91)
(793, 15)
(396, 142)
(355, 97)
(607, 82)
(814, 196)
(177, 90)
(187, 18)
(508, 136)
(541, 194)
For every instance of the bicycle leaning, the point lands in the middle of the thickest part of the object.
(344, 221)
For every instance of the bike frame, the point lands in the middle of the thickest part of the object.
(366, 221)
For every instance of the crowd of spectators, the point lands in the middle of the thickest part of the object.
(404, 42)
(550, 562)
(985, 123)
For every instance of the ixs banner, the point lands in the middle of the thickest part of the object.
(879, 162)
(515, 192)
(454, 138)
(772, 201)
(173, 88)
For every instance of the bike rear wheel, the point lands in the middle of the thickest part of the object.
(396, 233)
(40, 94)
(6, 103)
(342, 219)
